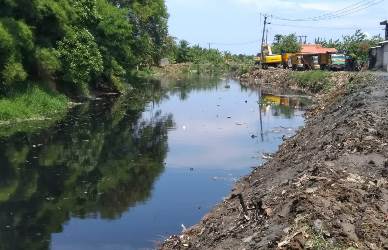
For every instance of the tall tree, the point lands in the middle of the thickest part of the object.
(287, 43)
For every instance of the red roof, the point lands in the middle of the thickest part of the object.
(316, 49)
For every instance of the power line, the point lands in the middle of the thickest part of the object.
(351, 9)
(346, 9)
(318, 27)
(339, 13)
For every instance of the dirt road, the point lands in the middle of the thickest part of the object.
(326, 188)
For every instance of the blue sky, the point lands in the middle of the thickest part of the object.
(234, 25)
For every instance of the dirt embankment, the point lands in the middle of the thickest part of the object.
(310, 82)
(326, 188)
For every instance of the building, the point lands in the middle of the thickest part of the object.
(378, 57)
(316, 49)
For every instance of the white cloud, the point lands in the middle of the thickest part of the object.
(317, 6)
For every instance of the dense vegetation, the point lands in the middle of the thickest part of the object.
(75, 45)
(201, 60)
(356, 45)
(286, 43)
(71, 47)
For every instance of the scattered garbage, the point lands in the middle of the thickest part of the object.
(267, 156)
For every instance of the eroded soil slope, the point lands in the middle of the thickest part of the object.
(327, 187)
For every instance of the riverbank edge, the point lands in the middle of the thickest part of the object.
(14, 111)
(324, 188)
(181, 71)
(32, 104)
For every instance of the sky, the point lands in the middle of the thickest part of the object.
(237, 25)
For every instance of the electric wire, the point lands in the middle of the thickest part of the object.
(351, 9)
(318, 27)
(339, 13)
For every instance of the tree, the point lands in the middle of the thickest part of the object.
(288, 44)
(81, 58)
(328, 43)
(357, 44)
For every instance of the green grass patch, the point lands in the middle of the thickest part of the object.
(32, 104)
(314, 81)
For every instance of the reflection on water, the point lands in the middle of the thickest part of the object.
(103, 159)
(125, 173)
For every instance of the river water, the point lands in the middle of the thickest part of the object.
(125, 173)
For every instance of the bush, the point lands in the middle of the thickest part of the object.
(6, 45)
(81, 59)
(48, 61)
(12, 73)
(314, 81)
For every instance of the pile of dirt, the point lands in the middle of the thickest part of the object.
(269, 76)
(277, 79)
(326, 188)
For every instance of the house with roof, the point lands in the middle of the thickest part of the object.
(316, 49)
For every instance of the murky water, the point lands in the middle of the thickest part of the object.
(126, 173)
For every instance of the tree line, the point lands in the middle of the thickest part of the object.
(78, 45)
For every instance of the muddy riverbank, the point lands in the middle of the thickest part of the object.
(326, 188)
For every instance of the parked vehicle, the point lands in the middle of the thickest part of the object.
(312, 58)
(352, 64)
(337, 62)
(297, 62)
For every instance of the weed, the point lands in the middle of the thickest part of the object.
(314, 81)
(32, 103)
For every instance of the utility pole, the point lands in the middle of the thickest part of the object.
(386, 28)
(302, 39)
(263, 37)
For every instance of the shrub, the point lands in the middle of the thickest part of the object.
(13, 72)
(48, 61)
(314, 81)
(6, 45)
(81, 59)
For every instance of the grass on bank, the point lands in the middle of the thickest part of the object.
(315, 81)
(31, 104)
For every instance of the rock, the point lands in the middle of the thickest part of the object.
(369, 138)
(311, 190)
(318, 226)
(384, 173)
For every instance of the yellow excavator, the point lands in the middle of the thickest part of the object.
(267, 58)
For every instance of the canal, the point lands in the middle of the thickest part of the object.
(125, 173)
